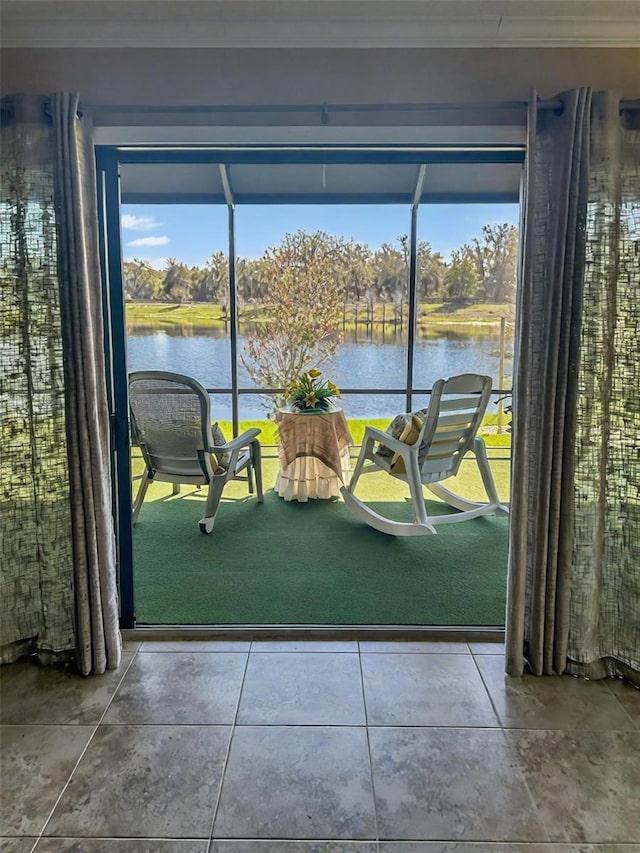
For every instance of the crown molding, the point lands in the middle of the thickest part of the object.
(319, 23)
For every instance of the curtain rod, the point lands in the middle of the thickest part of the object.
(325, 108)
(6, 105)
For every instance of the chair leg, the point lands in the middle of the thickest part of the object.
(415, 487)
(175, 489)
(467, 507)
(482, 459)
(147, 478)
(362, 458)
(216, 485)
(256, 462)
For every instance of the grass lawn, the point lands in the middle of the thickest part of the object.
(375, 486)
(210, 314)
(268, 435)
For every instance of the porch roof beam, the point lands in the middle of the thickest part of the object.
(226, 185)
(417, 193)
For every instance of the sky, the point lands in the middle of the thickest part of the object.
(192, 233)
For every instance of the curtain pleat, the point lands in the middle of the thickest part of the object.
(520, 474)
(87, 419)
(545, 387)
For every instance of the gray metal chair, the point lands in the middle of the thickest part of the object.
(171, 423)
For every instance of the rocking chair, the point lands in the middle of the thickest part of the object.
(171, 423)
(429, 449)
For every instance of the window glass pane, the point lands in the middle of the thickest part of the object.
(323, 286)
(176, 283)
(375, 409)
(467, 262)
(221, 412)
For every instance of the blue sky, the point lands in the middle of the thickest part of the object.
(191, 233)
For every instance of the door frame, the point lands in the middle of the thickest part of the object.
(108, 160)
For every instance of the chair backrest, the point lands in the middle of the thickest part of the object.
(452, 420)
(171, 421)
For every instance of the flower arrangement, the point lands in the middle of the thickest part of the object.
(311, 393)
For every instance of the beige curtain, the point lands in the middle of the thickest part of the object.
(574, 549)
(87, 418)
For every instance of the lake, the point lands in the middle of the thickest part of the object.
(373, 360)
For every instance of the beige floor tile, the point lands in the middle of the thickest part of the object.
(121, 845)
(144, 781)
(468, 847)
(17, 845)
(454, 647)
(425, 690)
(585, 784)
(307, 688)
(35, 765)
(495, 847)
(304, 646)
(550, 702)
(299, 782)
(458, 784)
(487, 648)
(52, 695)
(187, 646)
(179, 688)
(628, 696)
(283, 846)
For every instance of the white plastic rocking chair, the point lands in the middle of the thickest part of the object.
(171, 422)
(447, 434)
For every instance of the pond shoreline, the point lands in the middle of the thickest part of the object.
(204, 315)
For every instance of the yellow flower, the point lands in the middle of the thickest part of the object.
(335, 391)
(310, 401)
(313, 373)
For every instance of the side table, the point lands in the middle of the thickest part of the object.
(313, 454)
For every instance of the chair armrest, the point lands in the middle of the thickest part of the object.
(236, 443)
(386, 439)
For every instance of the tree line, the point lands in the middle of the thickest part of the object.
(483, 269)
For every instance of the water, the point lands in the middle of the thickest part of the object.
(370, 362)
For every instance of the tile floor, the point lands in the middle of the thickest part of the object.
(317, 747)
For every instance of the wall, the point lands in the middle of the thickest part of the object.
(200, 76)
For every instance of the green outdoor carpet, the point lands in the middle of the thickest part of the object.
(313, 563)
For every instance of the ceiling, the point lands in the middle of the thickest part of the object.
(318, 183)
(320, 23)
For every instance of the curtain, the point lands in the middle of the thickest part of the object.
(87, 414)
(604, 625)
(61, 566)
(36, 560)
(574, 583)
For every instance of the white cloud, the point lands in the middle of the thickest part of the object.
(148, 241)
(139, 223)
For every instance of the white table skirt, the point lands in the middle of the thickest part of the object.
(308, 478)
